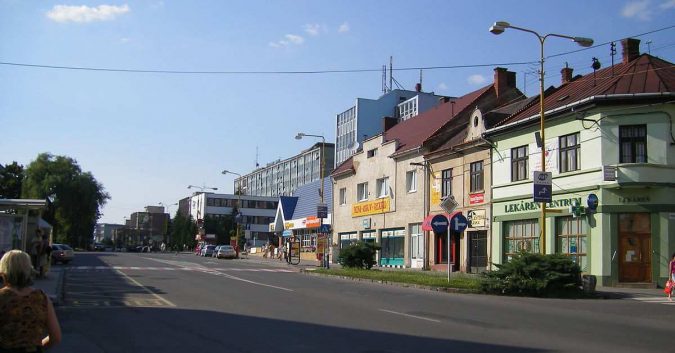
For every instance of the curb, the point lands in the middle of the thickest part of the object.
(58, 293)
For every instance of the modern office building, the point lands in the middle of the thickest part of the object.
(105, 231)
(364, 118)
(283, 177)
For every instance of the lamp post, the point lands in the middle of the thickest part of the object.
(238, 215)
(498, 28)
(299, 136)
(199, 211)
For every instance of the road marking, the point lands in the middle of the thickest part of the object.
(146, 289)
(216, 273)
(654, 300)
(411, 316)
(136, 268)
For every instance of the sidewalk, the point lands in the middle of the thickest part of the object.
(626, 293)
(52, 284)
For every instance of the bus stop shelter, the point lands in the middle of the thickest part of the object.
(18, 220)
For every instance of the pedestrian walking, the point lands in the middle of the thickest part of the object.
(36, 249)
(670, 284)
(28, 322)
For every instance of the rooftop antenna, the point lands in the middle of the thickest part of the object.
(649, 47)
(384, 79)
(391, 72)
(596, 65)
(421, 79)
(256, 157)
(612, 51)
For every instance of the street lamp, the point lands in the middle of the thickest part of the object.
(202, 188)
(299, 136)
(498, 28)
(238, 215)
(166, 239)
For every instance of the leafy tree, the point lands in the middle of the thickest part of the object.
(183, 231)
(75, 197)
(220, 226)
(11, 179)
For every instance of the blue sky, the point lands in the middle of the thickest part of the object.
(147, 136)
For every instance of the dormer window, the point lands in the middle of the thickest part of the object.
(372, 153)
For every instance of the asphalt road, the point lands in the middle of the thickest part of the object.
(129, 302)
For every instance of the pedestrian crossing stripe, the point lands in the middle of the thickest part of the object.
(654, 300)
(201, 269)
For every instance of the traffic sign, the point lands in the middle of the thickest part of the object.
(322, 210)
(543, 190)
(439, 223)
(448, 204)
(458, 223)
(324, 228)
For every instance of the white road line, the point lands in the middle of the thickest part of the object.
(408, 315)
(146, 289)
(216, 273)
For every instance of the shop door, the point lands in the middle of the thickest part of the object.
(442, 249)
(635, 261)
(477, 251)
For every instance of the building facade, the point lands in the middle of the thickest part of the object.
(610, 148)
(105, 231)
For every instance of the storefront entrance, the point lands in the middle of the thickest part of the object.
(442, 249)
(635, 261)
(477, 251)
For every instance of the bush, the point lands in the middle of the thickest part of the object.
(535, 275)
(358, 255)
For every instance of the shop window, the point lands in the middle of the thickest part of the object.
(477, 176)
(569, 153)
(521, 235)
(519, 159)
(571, 240)
(633, 143)
(392, 246)
(347, 239)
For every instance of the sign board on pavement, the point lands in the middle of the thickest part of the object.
(448, 204)
(439, 223)
(458, 223)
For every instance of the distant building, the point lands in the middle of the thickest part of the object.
(257, 211)
(105, 231)
(283, 177)
(364, 118)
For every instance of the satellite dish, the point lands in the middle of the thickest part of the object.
(353, 145)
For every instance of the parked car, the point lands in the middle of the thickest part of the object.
(198, 249)
(62, 253)
(99, 247)
(225, 252)
(208, 250)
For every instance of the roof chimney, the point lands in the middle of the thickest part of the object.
(504, 80)
(566, 74)
(631, 49)
(418, 87)
(388, 122)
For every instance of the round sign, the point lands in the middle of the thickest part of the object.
(439, 223)
(592, 201)
(458, 223)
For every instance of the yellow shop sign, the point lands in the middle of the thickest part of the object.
(371, 207)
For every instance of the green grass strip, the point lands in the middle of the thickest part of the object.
(432, 279)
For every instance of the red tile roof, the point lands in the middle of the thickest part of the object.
(644, 74)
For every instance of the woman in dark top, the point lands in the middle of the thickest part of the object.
(28, 322)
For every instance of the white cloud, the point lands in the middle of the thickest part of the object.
(313, 29)
(476, 80)
(668, 5)
(637, 9)
(125, 40)
(442, 86)
(288, 40)
(343, 28)
(66, 13)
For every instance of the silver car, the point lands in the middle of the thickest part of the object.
(62, 253)
(208, 250)
(226, 252)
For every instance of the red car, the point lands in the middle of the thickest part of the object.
(198, 249)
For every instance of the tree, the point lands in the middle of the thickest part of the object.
(11, 179)
(75, 198)
(183, 231)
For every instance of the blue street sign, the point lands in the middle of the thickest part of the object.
(542, 193)
(439, 223)
(458, 223)
(324, 228)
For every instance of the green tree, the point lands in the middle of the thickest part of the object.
(75, 197)
(183, 231)
(11, 179)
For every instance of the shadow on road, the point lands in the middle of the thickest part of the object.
(176, 330)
